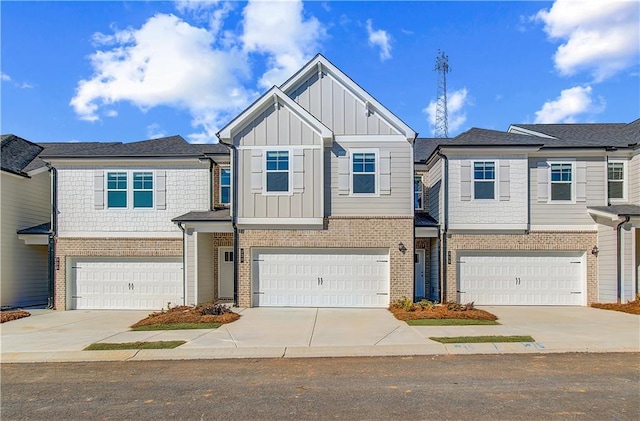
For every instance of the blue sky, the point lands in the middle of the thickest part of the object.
(126, 71)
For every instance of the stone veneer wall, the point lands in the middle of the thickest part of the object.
(338, 232)
(106, 247)
(581, 241)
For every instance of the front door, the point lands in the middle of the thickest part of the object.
(225, 273)
(419, 275)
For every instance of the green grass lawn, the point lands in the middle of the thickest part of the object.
(450, 322)
(177, 326)
(98, 346)
(481, 339)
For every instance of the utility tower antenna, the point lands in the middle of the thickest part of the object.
(442, 67)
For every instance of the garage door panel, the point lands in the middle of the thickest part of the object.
(149, 284)
(320, 277)
(521, 279)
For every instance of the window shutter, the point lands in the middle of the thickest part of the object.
(504, 180)
(343, 174)
(543, 182)
(581, 181)
(98, 189)
(385, 172)
(161, 189)
(298, 170)
(256, 170)
(465, 180)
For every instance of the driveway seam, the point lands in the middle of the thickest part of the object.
(133, 356)
(313, 328)
(386, 336)
(232, 338)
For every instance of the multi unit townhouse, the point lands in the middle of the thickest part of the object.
(307, 201)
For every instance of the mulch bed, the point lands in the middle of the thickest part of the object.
(186, 314)
(440, 312)
(7, 316)
(632, 307)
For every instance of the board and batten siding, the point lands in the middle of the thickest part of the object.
(337, 108)
(186, 189)
(282, 129)
(510, 203)
(400, 200)
(205, 281)
(634, 179)
(435, 189)
(545, 213)
(25, 202)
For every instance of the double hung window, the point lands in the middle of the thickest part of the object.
(117, 190)
(561, 181)
(277, 171)
(418, 193)
(225, 186)
(615, 180)
(484, 180)
(364, 173)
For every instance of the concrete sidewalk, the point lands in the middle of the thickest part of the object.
(310, 332)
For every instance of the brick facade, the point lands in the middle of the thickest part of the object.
(535, 241)
(106, 247)
(339, 232)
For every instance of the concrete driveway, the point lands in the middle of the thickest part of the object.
(311, 332)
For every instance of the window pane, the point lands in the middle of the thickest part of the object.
(364, 183)
(142, 199)
(484, 171)
(225, 177)
(142, 181)
(417, 200)
(560, 172)
(483, 189)
(224, 195)
(616, 171)
(277, 181)
(117, 199)
(561, 191)
(615, 190)
(117, 181)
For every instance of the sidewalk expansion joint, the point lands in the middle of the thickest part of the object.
(313, 328)
(387, 335)
(133, 356)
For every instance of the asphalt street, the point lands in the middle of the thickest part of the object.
(457, 387)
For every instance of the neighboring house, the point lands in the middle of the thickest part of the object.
(539, 215)
(25, 208)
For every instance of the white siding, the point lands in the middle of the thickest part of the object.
(607, 289)
(627, 263)
(398, 203)
(328, 101)
(205, 268)
(567, 214)
(25, 202)
(186, 190)
(434, 270)
(191, 244)
(489, 212)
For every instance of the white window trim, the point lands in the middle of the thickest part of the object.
(129, 190)
(220, 185)
(496, 182)
(573, 182)
(289, 171)
(374, 151)
(625, 180)
(421, 177)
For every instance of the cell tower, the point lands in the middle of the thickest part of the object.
(442, 123)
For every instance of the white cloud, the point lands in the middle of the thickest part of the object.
(154, 131)
(381, 39)
(456, 115)
(5, 77)
(166, 62)
(111, 113)
(279, 30)
(23, 85)
(571, 103)
(599, 36)
(213, 12)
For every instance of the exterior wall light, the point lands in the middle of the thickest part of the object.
(402, 248)
(595, 250)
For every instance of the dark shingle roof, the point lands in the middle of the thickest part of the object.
(197, 216)
(424, 220)
(597, 131)
(17, 153)
(618, 210)
(212, 148)
(64, 148)
(173, 146)
(38, 229)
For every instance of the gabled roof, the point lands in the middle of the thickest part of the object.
(267, 99)
(617, 210)
(17, 153)
(203, 216)
(166, 147)
(595, 134)
(63, 148)
(320, 63)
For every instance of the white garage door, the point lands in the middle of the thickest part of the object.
(321, 277)
(522, 279)
(126, 284)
